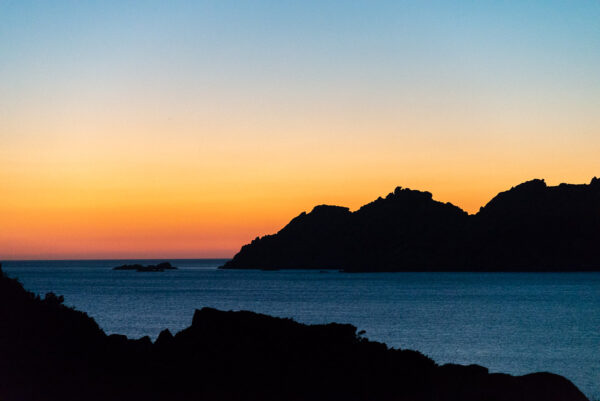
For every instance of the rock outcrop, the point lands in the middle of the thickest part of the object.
(51, 352)
(160, 267)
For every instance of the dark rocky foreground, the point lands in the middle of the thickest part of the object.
(531, 227)
(52, 352)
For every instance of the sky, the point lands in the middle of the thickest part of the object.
(187, 128)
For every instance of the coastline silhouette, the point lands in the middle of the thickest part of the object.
(52, 352)
(531, 227)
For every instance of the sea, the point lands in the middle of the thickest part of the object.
(514, 323)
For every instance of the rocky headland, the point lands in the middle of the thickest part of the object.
(52, 352)
(531, 227)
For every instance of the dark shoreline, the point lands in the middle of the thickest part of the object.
(538, 271)
(267, 358)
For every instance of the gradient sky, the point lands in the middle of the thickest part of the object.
(187, 128)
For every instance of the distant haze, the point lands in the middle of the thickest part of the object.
(185, 129)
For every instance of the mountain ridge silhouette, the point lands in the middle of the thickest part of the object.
(530, 227)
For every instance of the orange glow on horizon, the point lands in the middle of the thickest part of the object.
(140, 212)
(137, 194)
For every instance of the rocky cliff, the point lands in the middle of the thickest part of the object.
(531, 227)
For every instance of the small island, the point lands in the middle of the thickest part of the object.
(161, 267)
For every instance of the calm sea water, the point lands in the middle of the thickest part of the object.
(509, 322)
